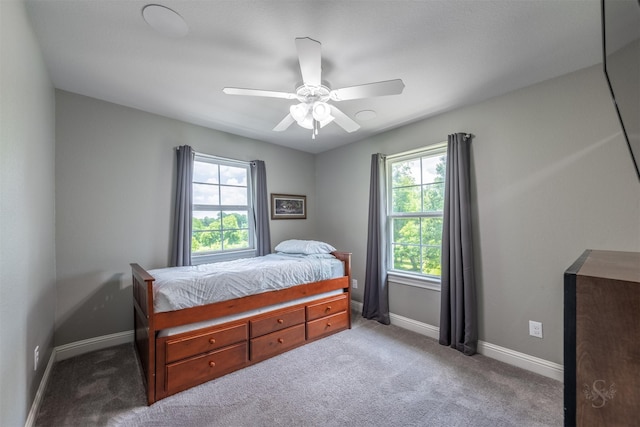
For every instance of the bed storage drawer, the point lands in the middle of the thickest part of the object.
(276, 322)
(327, 325)
(277, 342)
(326, 308)
(181, 348)
(186, 373)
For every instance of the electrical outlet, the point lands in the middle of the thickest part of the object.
(36, 357)
(354, 283)
(535, 329)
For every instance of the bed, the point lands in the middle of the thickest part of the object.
(183, 341)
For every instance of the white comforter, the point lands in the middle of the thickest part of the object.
(182, 287)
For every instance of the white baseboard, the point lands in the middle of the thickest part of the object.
(515, 358)
(98, 343)
(35, 406)
(415, 326)
(66, 351)
(522, 360)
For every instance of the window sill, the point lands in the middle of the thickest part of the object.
(225, 256)
(432, 284)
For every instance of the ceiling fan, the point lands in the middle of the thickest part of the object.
(313, 110)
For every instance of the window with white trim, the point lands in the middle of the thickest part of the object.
(415, 189)
(222, 219)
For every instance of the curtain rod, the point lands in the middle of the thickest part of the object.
(433, 147)
(221, 159)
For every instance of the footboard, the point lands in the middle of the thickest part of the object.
(345, 257)
(144, 325)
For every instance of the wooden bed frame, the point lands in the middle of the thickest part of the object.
(175, 363)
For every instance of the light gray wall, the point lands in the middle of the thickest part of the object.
(115, 169)
(27, 257)
(552, 177)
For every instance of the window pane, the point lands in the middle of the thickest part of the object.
(205, 194)
(205, 220)
(433, 169)
(431, 244)
(232, 175)
(235, 220)
(432, 231)
(406, 173)
(431, 260)
(235, 230)
(433, 197)
(236, 239)
(206, 235)
(206, 241)
(406, 258)
(406, 199)
(205, 172)
(406, 230)
(233, 196)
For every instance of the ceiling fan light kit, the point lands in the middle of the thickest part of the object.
(321, 111)
(313, 111)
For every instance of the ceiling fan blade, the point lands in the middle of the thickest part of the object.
(258, 92)
(285, 123)
(389, 87)
(344, 121)
(310, 59)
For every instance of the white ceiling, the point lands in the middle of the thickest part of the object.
(448, 53)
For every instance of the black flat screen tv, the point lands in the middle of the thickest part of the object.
(621, 59)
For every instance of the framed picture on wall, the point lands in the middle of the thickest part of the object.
(288, 206)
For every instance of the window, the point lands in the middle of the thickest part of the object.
(222, 221)
(414, 212)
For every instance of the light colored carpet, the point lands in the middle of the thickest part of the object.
(371, 375)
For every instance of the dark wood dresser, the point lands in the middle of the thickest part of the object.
(602, 340)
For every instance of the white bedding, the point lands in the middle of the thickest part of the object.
(176, 288)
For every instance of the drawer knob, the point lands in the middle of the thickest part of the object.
(281, 321)
(328, 324)
(212, 341)
(328, 308)
(280, 340)
(212, 364)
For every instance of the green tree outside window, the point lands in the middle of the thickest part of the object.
(416, 205)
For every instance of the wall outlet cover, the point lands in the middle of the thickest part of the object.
(535, 329)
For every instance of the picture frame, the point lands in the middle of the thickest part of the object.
(288, 206)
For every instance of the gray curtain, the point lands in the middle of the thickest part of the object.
(261, 207)
(458, 309)
(376, 291)
(181, 253)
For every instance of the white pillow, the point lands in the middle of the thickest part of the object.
(307, 247)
